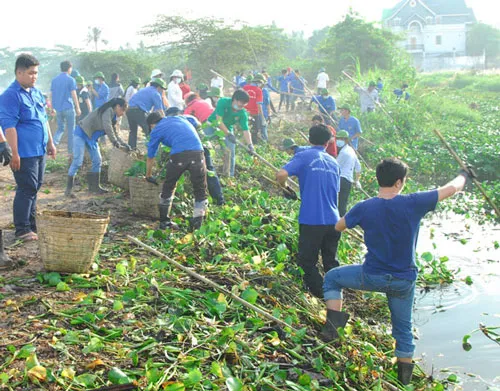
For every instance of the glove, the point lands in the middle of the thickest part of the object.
(251, 149)
(231, 138)
(357, 184)
(153, 180)
(5, 153)
(468, 173)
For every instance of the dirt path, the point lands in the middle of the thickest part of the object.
(51, 197)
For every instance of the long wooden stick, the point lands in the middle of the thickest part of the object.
(265, 162)
(218, 74)
(211, 283)
(464, 166)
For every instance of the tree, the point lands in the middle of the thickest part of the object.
(484, 39)
(211, 44)
(353, 40)
(94, 35)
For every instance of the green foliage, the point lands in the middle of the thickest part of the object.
(484, 39)
(353, 40)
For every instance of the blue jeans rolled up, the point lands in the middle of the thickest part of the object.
(400, 294)
(80, 143)
(66, 117)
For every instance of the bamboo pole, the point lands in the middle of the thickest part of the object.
(464, 166)
(265, 162)
(211, 283)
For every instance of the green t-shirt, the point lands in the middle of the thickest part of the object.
(229, 116)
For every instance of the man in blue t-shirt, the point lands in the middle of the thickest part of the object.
(284, 81)
(24, 123)
(326, 105)
(65, 103)
(319, 181)
(351, 125)
(400, 92)
(390, 223)
(186, 154)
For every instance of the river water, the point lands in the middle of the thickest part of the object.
(444, 316)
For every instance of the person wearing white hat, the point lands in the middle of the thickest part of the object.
(174, 92)
(156, 73)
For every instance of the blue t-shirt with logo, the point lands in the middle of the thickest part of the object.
(351, 126)
(319, 181)
(61, 88)
(391, 231)
(175, 132)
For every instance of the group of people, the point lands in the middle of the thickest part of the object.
(325, 170)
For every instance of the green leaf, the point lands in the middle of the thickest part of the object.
(234, 384)
(304, 380)
(116, 376)
(427, 256)
(26, 351)
(4, 378)
(87, 380)
(62, 287)
(453, 378)
(193, 377)
(121, 269)
(177, 386)
(468, 280)
(250, 295)
(117, 305)
(32, 361)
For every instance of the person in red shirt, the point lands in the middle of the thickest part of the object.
(331, 149)
(254, 106)
(197, 107)
(184, 87)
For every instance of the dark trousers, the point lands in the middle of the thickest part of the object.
(213, 183)
(312, 240)
(192, 161)
(256, 126)
(284, 98)
(345, 190)
(29, 179)
(136, 117)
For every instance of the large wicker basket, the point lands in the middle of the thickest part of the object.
(69, 241)
(119, 162)
(144, 197)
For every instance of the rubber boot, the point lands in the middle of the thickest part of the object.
(196, 222)
(405, 372)
(94, 183)
(5, 261)
(165, 221)
(334, 320)
(69, 187)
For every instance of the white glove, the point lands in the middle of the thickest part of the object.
(357, 184)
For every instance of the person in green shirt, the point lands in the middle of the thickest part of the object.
(231, 111)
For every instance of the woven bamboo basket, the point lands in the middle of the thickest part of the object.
(69, 241)
(119, 162)
(144, 197)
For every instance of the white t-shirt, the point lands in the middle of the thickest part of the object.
(130, 93)
(217, 81)
(348, 163)
(322, 79)
(174, 95)
(367, 99)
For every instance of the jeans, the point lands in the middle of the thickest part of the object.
(65, 117)
(29, 179)
(284, 98)
(400, 294)
(312, 240)
(79, 151)
(232, 148)
(345, 190)
(136, 117)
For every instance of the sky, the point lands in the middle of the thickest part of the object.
(52, 22)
